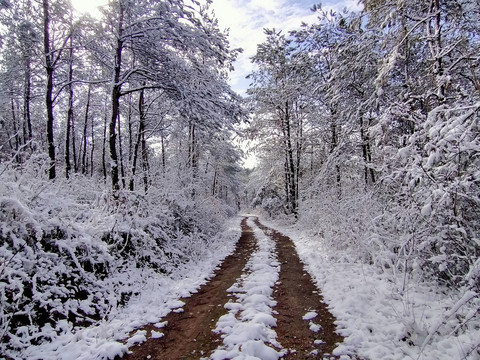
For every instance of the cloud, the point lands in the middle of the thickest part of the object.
(246, 20)
(89, 6)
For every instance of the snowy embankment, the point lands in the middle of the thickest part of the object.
(378, 320)
(158, 295)
(247, 327)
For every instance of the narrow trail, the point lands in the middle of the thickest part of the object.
(188, 335)
(296, 295)
(305, 328)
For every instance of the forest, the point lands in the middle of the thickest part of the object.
(121, 155)
(372, 119)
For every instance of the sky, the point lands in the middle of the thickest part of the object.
(246, 20)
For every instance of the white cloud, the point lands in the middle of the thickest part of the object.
(246, 20)
(89, 6)
(270, 5)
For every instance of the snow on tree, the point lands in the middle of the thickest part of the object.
(152, 91)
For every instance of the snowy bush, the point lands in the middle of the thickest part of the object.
(432, 204)
(268, 199)
(51, 266)
(417, 232)
(345, 225)
(69, 250)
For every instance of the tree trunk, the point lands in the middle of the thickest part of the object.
(74, 146)
(104, 150)
(214, 183)
(49, 89)
(287, 180)
(369, 154)
(130, 129)
(333, 146)
(290, 162)
(145, 165)
(192, 147)
(92, 148)
(120, 148)
(364, 150)
(434, 36)
(192, 157)
(69, 129)
(299, 149)
(83, 145)
(67, 145)
(16, 130)
(138, 140)
(27, 98)
(163, 154)
(112, 138)
(141, 131)
(115, 98)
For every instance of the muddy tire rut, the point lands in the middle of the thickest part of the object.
(296, 295)
(188, 334)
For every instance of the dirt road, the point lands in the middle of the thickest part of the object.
(188, 334)
(296, 295)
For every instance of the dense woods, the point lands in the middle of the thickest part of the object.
(367, 127)
(117, 152)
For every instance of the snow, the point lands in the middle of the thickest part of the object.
(139, 337)
(247, 329)
(377, 319)
(381, 314)
(314, 327)
(110, 350)
(309, 315)
(157, 334)
(159, 295)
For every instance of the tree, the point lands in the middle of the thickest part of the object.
(277, 95)
(164, 42)
(21, 39)
(393, 99)
(53, 51)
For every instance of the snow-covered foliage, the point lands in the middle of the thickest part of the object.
(72, 255)
(389, 169)
(439, 187)
(269, 200)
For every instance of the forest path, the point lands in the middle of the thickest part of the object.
(297, 295)
(188, 334)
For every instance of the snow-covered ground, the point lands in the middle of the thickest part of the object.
(159, 294)
(378, 320)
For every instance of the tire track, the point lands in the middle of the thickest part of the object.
(188, 335)
(296, 295)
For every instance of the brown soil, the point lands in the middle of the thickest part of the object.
(188, 335)
(296, 295)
